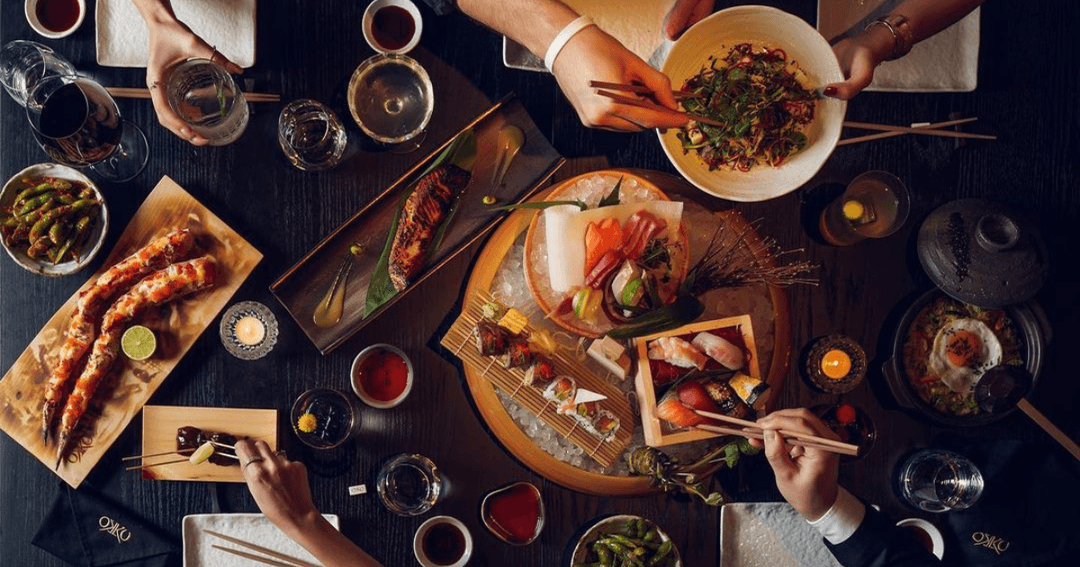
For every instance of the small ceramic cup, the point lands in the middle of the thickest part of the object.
(937, 542)
(358, 387)
(370, 34)
(38, 10)
(422, 532)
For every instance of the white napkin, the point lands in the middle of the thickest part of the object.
(948, 61)
(228, 25)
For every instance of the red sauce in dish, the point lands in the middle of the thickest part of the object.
(57, 15)
(444, 544)
(392, 27)
(514, 513)
(383, 375)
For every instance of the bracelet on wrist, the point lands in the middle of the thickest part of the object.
(562, 38)
(900, 29)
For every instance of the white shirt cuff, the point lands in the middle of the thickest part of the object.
(842, 519)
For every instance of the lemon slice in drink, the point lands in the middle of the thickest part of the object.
(202, 453)
(138, 342)
(853, 210)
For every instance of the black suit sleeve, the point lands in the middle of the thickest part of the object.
(879, 543)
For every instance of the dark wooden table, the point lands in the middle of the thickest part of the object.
(1026, 95)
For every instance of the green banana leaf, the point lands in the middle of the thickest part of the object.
(462, 153)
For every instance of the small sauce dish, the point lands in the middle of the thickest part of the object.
(55, 19)
(382, 376)
(927, 534)
(514, 513)
(442, 541)
(392, 26)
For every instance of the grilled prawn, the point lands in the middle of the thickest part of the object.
(163, 286)
(82, 327)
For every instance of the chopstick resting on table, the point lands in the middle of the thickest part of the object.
(754, 431)
(286, 560)
(889, 131)
(138, 92)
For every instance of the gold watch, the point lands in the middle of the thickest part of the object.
(900, 29)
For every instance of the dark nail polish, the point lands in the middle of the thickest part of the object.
(830, 91)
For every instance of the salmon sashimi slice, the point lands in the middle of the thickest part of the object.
(424, 211)
(600, 238)
(673, 411)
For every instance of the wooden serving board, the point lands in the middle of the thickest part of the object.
(129, 384)
(459, 340)
(159, 425)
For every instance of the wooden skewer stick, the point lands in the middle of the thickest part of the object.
(139, 92)
(755, 428)
(262, 549)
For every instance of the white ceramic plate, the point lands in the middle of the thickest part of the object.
(760, 26)
(93, 243)
(252, 528)
(615, 524)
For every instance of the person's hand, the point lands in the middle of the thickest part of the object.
(685, 13)
(859, 55)
(592, 55)
(279, 486)
(172, 43)
(805, 476)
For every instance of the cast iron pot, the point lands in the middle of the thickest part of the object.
(1032, 325)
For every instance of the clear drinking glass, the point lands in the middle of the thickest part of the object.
(409, 484)
(874, 205)
(936, 480)
(25, 63)
(205, 96)
(325, 419)
(391, 99)
(77, 123)
(311, 135)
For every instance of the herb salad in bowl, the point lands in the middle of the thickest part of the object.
(754, 73)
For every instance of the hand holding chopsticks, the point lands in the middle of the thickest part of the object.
(752, 430)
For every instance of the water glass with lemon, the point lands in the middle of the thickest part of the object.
(874, 205)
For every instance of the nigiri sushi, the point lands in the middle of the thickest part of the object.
(726, 399)
(674, 350)
(540, 373)
(720, 350)
(673, 411)
(561, 389)
(490, 338)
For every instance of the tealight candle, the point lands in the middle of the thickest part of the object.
(249, 330)
(836, 364)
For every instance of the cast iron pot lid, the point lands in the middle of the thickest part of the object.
(981, 253)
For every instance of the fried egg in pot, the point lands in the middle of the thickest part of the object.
(963, 350)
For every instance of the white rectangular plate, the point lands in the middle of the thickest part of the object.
(252, 528)
(770, 534)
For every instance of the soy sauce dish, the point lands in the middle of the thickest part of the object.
(55, 19)
(382, 376)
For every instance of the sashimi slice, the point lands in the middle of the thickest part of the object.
(671, 410)
(600, 238)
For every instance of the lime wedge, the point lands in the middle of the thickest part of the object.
(138, 342)
(202, 453)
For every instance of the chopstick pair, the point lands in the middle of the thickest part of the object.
(754, 431)
(139, 92)
(644, 102)
(285, 560)
(179, 452)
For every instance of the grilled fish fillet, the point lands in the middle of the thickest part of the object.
(424, 211)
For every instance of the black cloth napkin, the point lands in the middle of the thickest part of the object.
(1029, 511)
(86, 529)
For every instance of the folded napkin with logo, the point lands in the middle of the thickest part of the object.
(85, 529)
(1027, 513)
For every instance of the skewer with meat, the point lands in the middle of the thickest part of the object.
(159, 288)
(421, 216)
(82, 327)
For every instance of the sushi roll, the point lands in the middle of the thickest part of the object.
(518, 353)
(491, 339)
(726, 399)
(678, 352)
(561, 389)
(720, 350)
(586, 412)
(605, 424)
(541, 373)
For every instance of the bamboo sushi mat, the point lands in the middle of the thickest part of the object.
(460, 341)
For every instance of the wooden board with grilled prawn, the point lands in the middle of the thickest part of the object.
(590, 270)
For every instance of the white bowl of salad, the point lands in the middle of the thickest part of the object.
(758, 72)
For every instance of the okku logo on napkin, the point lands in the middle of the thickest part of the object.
(112, 527)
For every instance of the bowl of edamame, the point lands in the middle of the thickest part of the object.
(625, 540)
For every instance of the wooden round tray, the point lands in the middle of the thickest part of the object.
(487, 266)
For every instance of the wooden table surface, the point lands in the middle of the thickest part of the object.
(1026, 95)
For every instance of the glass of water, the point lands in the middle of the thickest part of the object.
(391, 99)
(205, 96)
(311, 135)
(409, 484)
(936, 480)
(23, 64)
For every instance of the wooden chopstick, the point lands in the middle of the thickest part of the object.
(261, 549)
(253, 557)
(644, 103)
(139, 92)
(636, 89)
(788, 440)
(173, 462)
(927, 129)
(133, 457)
(793, 436)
